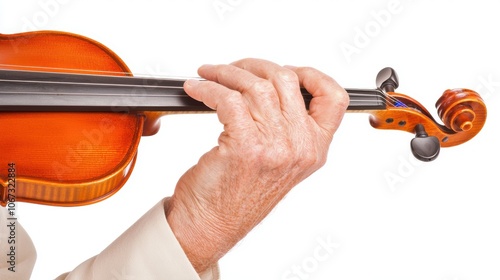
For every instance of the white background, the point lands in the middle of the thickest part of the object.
(441, 220)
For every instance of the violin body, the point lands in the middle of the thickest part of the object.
(66, 158)
(67, 155)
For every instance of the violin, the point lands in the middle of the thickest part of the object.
(72, 115)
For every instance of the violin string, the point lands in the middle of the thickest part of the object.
(122, 85)
(386, 97)
(132, 86)
(92, 84)
(393, 101)
(360, 102)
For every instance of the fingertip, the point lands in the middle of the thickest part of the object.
(205, 69)
(190, 83)
(192, 88)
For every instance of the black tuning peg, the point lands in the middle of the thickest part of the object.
(423, 146)
(387, 80)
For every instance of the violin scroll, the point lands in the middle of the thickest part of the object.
(458, 109)
(462, 112)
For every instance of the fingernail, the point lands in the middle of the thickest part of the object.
(191, 83)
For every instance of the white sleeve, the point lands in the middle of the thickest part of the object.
(17, 253)
(147, 250)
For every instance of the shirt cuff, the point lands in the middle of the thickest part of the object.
(147, 250)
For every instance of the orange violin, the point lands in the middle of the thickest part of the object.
(72, 116)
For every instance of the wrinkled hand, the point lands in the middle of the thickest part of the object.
(269, 144)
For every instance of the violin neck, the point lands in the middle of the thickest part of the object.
(44, 91)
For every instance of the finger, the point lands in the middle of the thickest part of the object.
(229, 104)
(329, 101)
(285, 81)
(260, 95)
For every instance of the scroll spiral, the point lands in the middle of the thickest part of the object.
(461, 110)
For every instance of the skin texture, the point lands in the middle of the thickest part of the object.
(270, 143)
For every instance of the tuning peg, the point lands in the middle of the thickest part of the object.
(423, 146)
(387, 80)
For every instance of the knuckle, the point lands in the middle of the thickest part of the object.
(286, 75)
(233, 97)
(267, 157)
(339, 93)
(282, 155)
(342, 97)
(311, 72)
(308, 70)
(312, 155)
(308, 159)
(262, 87)
(232, 105)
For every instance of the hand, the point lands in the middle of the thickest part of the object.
(269, 144)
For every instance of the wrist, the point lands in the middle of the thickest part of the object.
(201, 238)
